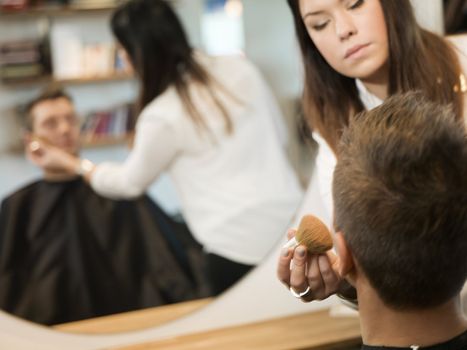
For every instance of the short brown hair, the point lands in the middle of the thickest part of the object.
(400, 193)
(51, 92)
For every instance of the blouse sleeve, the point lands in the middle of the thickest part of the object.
(318, 195)
(460, 44)
(325, 164)
(154, 148)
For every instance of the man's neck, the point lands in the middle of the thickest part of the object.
(58, 176)
(384, 326)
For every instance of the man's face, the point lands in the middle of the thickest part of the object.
(55, 121)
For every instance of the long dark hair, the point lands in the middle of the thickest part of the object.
(158, 48)
(418, 60)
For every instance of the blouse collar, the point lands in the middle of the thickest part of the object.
(369, 100)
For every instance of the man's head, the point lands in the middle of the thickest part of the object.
(400, 194)
(51, 117)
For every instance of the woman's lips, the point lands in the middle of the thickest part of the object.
(353, 50)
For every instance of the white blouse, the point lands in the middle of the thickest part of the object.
(238, 192)
(326, 162)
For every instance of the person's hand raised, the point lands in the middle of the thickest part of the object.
(49, 157)
(309, 277)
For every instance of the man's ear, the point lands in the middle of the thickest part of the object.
(346, 265)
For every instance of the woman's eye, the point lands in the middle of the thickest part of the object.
(356, 4)
(320, 26)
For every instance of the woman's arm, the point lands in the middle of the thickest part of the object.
(155, 146)
(325, 164)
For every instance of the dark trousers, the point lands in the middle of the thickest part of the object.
(223, 273)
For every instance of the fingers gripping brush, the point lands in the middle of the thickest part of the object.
(313, 234)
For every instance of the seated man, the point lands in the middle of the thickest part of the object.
(68, 254)
(400, 194)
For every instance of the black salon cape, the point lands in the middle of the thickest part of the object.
(68, 254)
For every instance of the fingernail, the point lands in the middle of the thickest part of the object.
(34, 146)
(300, 251)
(285, 252)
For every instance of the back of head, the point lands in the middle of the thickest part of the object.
(400, 193)
(155, 41)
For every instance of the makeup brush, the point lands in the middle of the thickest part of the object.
(313, 234)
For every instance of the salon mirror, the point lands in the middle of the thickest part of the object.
(217, 26)
(269, 42)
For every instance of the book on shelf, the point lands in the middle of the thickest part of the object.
(24, 5)
(23, 60)
(21, 71)
(19, 45)
(94, 3)
(13, 5)
(111, 124)
(19, 57)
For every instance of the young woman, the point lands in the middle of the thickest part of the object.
(211, 124)
(357, 53)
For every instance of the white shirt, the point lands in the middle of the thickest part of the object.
(238, 192)
(326, 162)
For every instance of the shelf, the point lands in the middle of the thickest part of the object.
(75, 81)
(52, 11)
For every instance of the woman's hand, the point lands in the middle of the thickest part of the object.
(298, 270)
(51, 158)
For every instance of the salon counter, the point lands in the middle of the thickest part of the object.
(315, 330)
(134, 320)
(312, 330)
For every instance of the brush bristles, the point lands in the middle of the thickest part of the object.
(314, 234)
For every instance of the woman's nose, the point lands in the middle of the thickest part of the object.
(345, 26)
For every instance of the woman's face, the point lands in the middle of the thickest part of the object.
(351, 35)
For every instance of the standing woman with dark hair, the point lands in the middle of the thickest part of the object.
(210, 123)
(356, 53)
